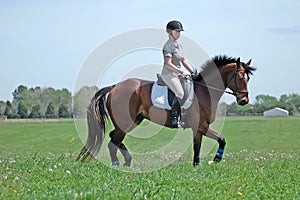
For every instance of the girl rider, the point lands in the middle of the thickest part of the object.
(173, 60)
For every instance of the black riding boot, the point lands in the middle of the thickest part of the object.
(175, 109)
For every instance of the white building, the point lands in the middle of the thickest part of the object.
(276, 112)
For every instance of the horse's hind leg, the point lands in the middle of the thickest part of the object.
(115, 143)
(113, 153)
(127, 156)
(117, 137)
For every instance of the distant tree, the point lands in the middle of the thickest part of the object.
(222, 109)
(35, 111)
(65, 96)
(65, 99)
(8, 110)
(245, 110)
(22, 110)
(232, 109)
(44, 95)
(82, 98)
(57, 97)
(31, 97)
(2, 107)
(63, 111)
(265, 99)
(50, 112)
(290, 102)
(28, 96)
(19, 93)
(264, 102)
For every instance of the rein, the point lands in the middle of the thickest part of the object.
(218, 89)
(233, 93)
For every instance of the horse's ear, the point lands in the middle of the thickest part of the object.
(249, 62)
(238, 61)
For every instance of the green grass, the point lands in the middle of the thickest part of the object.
(261, 161)
(263, 134)
(54, 137)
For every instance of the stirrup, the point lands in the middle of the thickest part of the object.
(174, 125)
(177, 124)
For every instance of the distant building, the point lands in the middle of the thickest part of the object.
(276, 112)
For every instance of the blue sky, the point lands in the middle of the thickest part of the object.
(44, 43)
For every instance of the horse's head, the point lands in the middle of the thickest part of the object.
(235, 75)
(238, 79)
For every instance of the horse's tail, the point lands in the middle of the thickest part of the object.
(97, 115)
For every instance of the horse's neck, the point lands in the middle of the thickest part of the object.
(215, 85)
(216, 89)
(215, 80)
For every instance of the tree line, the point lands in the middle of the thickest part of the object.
(59, 103)
(46, 102)
(262, 102)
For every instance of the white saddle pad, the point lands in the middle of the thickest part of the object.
(159, 96)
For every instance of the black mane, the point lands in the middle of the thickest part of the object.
(219, 61)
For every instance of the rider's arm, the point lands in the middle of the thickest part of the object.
(187, 65)
(171, 66)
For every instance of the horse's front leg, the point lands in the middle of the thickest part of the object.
(221, 140)
(197, 146)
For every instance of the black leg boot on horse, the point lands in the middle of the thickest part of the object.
(174, 113)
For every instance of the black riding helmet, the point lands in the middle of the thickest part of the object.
(174, 25)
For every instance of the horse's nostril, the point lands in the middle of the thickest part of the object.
(243, 102)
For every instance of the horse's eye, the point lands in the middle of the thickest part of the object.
(241, 76)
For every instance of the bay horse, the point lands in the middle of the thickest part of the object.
(128, 102)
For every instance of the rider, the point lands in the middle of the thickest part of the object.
(173, 59)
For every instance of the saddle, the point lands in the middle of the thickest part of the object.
(162, 96)
(161, 91)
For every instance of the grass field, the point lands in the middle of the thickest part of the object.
(261, 161)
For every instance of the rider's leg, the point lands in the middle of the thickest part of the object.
(173, 82)
(175, 109)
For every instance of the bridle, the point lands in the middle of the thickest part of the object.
(234, 92)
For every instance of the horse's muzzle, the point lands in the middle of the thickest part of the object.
(242, 101)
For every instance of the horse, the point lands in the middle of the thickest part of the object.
(128, 103)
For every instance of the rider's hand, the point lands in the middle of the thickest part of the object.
(184, 74)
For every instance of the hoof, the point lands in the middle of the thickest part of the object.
(115, 163)
(126, 165)
(217, 159)
(127, 161)
(196, 161)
